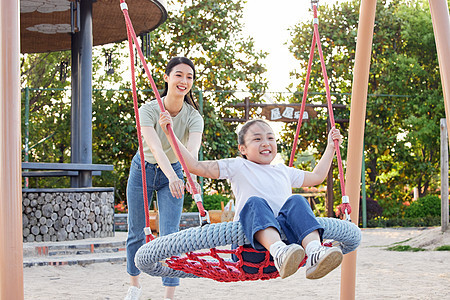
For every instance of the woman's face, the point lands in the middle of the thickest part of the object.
(180, 80)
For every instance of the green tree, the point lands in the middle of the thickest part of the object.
(44, 79)
(210, 34)
(403, 66)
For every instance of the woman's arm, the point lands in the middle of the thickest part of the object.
(209, 168)
(193, 146)
(151, 138)
(318, 175)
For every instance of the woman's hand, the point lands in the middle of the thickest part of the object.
(333, 135)
(164, 120)
(176, 186)
(197, 186)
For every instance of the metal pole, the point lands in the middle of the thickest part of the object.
(75, 107)
(356, 132)
(11, 246)
(363, 190)
(27, 129)
(200, 104)
(444, 175)
(86, 41)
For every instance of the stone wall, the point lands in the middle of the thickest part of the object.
(67, 214)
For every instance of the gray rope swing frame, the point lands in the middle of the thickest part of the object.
(155, 257)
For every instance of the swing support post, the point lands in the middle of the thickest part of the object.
(356, 132)
(11, 248)
(441, 28)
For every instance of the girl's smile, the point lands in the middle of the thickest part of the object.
(260, 144)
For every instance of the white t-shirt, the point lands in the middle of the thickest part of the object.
(273, 183)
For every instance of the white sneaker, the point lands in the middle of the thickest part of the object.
(134, 293)
(322, 261)
(288, 258)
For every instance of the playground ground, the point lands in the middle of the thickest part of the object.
(381, 274)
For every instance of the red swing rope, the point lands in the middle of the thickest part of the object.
(220, 269)
(132, 37)
(316, 39)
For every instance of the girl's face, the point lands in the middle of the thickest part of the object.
(180, 80)
(260, 144)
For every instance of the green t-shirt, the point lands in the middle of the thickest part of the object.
(186, 121)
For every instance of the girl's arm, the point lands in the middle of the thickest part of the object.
(318, 175)
(209, 168)
(151, 138)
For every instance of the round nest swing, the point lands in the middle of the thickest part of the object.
(161, 256)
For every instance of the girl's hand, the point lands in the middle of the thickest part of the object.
(176, 187)
(333, 135)
(164, 120)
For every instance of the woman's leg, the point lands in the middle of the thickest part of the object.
(136, 215)
(169, 209)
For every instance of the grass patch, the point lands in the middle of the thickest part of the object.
(443, 248)
(404, 248)
(396, 243)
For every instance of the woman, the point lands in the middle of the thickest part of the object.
(163, 171)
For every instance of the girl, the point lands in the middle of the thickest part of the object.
(264, 201)
(163, 171)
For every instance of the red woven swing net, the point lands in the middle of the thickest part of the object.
(215, 266)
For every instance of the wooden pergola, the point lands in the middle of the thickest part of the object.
(46, 26)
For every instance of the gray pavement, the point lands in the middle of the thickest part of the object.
(76, 252)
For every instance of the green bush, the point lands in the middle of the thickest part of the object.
(426, 206)
(428, 221)
(211, 202)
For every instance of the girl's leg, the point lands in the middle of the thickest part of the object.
(297, 220)
(267, 237)
(169, 209)
(255, 216)
(262, 229)
(300, 225)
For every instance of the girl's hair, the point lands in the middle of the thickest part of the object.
(244, 129)
(175, 61)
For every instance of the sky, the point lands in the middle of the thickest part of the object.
(267, 21)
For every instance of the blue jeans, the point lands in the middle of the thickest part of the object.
(169, 209)
(295, 219)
